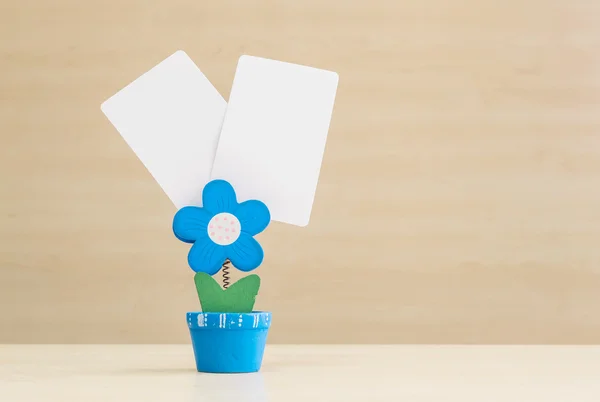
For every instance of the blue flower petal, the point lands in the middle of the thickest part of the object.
(190, 223)
(219, 196)
(206, 256)
(254, 216)
(245, 254)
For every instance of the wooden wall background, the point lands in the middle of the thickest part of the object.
(459, 199)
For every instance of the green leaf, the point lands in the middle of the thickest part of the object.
(237, 298)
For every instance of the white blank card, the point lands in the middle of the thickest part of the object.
(171, 118)
(274, 133)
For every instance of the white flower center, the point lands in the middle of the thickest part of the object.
(224, 229)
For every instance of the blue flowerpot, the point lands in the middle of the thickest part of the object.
(229, 342)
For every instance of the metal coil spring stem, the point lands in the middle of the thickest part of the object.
(226, 278)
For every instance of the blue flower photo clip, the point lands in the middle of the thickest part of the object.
(222, 233)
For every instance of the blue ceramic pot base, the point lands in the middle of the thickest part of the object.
(229, 342)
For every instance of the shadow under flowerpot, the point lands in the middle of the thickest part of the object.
(229, 342)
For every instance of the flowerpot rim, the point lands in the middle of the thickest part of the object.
(255, 320)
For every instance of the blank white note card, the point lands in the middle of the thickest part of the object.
(274, 133)
(171, 118)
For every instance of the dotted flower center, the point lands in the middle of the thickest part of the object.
(224, 229)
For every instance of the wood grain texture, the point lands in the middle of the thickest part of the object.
(458, 199)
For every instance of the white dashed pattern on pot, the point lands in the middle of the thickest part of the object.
(224, 229)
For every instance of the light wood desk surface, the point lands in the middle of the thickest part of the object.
(303, 373)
